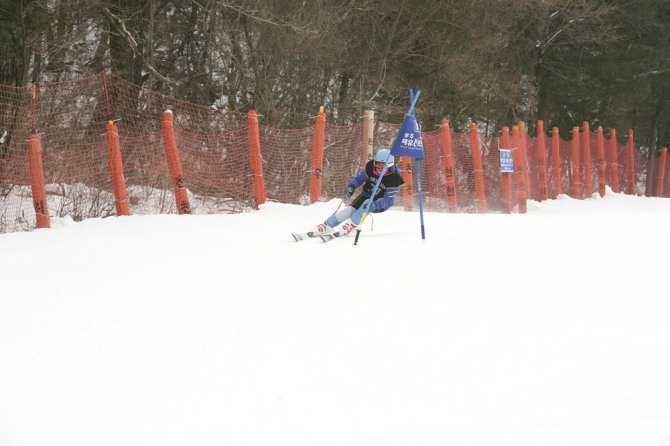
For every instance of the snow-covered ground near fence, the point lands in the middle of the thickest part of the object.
(550, 328)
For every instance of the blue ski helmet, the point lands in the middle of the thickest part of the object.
(381, 156)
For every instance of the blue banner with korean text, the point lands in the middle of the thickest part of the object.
(506, 161)
(408, 142)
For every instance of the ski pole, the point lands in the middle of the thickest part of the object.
(339, 206)
(366, 205)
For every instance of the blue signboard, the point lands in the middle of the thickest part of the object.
(506, 162)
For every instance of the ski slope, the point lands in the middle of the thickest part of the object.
(545, 329)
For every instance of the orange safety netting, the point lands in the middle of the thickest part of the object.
(215, 150)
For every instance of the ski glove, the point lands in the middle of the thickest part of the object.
(349, 191)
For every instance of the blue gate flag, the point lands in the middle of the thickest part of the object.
(409, 142)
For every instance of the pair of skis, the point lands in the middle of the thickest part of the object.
(326, 237)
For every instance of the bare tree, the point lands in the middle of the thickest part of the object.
(548, 43)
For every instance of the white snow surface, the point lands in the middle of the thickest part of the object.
(549, 328)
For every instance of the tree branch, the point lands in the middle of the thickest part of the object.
(123, 31)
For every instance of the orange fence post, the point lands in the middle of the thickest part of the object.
(614, 162)
(116, 169)
(506, 177)
(586, 147)
(519, 176)
(255, 157)
(368, 137)
(600, 151)
(407, 172)
(660, 181)
(541, 155)
(174, 164)
(317, 157)
(556, 161)
(576, 175)
(478, 169)
(37, 181)
(524, 157)
(630, 165)
(452, 201)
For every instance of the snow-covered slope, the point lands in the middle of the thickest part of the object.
(550, 328)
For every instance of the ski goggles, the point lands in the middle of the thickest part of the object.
(377, 167)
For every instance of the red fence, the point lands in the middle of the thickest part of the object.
(103, 146)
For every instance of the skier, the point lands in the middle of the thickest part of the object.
(367, 177)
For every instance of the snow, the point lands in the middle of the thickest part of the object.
(549, 328)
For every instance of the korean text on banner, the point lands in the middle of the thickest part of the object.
(408, 142)
(506, 161)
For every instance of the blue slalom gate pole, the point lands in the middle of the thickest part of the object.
(417, 167)
(413, 100)
(372, 196)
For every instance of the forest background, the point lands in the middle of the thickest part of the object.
(606, 62)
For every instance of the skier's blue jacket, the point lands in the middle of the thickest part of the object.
(388, 189)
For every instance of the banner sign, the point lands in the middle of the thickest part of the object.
(409, 141)
(506, 162)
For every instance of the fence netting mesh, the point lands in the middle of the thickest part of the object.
(71, 118)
